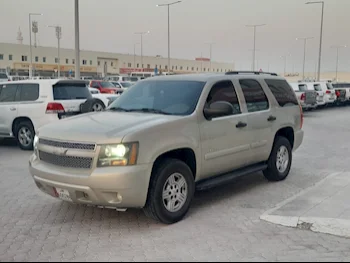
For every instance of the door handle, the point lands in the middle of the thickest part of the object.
(271, 118)
(12, 109)
(241, 125)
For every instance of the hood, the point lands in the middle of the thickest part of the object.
(102, 127)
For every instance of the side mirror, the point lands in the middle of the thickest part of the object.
(218, 109)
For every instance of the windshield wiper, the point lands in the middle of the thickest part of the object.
(149, 110)
(118, 109)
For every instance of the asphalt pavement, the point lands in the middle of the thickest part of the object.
(223, 224)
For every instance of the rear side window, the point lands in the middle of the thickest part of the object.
(8, 93)
(71, 91)
(283, 93)
(28, 92)
(255, 97)
(317, 87)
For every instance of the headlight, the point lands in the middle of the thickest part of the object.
(35, 142)
(118, 154)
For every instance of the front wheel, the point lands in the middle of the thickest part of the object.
(280, 160)
(171, 191)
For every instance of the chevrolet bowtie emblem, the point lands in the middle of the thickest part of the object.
(60, 151)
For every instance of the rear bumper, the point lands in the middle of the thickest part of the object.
(117, 187)
(298, 139)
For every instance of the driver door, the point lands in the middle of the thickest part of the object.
(225, 143)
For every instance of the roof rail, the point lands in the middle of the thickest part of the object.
(250, 72)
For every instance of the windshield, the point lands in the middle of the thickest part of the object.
(106, 84)
(175, 97)
(126, 84)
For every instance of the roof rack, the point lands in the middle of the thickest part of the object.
(250, 72)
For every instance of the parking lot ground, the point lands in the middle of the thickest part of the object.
(223, 224)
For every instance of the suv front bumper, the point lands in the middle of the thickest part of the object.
(113, 187)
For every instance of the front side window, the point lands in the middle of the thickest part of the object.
(170, 97)
(224, 91)
(255, 97)
(28, 92)
(283, 93)
(8, 93)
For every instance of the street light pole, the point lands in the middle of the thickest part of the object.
(305, 40)
(30, 43)
(285, 63)
(135, 55)
(254, 46)
(141, 34)
(58, 30)
(168, 5)
(77, 44)
(321, 37)
(210, 54)
(337, 61)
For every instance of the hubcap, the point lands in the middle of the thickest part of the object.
(25, 136)
(282, 159)
(175, 192)
(97, 107)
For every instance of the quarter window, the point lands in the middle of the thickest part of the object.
(8, 93)
(283, 93)
(224, 91)
(255, 97)
(29, 92)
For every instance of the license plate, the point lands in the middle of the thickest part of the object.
(63, 194)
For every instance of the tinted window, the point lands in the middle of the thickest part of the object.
(126, 84)
(224, 91)
(254, 95)
(28, 92)
(125, 78)
(105, 84)
(174, 97)
(302, 87)
(282, 92)
(329, 86)
(71, 91)
(8, 93)
(3, 76)
(317, 87)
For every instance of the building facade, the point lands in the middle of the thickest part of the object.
(15, 59)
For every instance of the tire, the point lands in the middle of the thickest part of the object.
(90, 104)
(156, 204)
(24, 132)
(273, 173)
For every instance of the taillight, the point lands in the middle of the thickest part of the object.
(54, 107)
(301, 116)
(337, 93)
(302, 96)
(328, 92)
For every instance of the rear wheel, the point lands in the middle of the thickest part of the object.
(280, 160)
(98, 106)
(25, 135)
(171, 191)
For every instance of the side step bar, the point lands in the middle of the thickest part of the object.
(228, 177)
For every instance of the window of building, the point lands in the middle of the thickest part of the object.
(282, 91)
(28, 92)
(142, 65)
(1, 56)
(84, 62)
(138, 65)
(224, 91)
(160, 66)
(56, 60)
(129, 65)
(166, 67)
(24, 58)
(67, 61)
(180, 67)
(176, 67)
(112, 64)
(197, 69)
(204, 69)
(192, 68)
(90, 62)
(8, 92)
(10, 57)
(73, 61)
(173, 67)
(148, 66)
(98, 63)
(44, 59)
(255, 97)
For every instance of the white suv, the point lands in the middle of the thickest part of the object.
(27, 105)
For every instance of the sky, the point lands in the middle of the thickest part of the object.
(109, 25)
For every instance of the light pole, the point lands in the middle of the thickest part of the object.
(210, 53)
(30, 42)
(254, 48)
(337, 63)
(77, 44)
(141, 34)
(305, 40)
(168, 5)
(135, 55)
(58, 30)
(321, 36)
(285, 63)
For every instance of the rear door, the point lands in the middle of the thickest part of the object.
(8, 108)
(71, 94)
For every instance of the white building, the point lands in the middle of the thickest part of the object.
(15, 58)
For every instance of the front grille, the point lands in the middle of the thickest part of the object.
(69, 145)
(66, 161)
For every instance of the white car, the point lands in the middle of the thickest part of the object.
(320, 99)
(123, 84)
(330, 96)
(4, 77)
(27, 105)
(103, 100)
(306, 97)
(117, 78)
